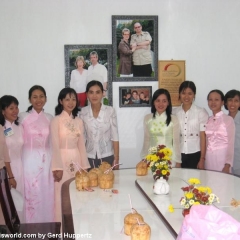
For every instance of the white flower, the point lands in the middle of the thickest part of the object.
(191, 202)
(151, 164)
(152, 150)
(186, 206)
(183, 201)
(211, 198)
(156, 164)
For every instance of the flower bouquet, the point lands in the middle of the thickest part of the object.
(195, 195)
(159, 161)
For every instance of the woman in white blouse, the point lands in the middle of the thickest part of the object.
(79, 80)
(192, 121)
(162, 128)
(101, 130)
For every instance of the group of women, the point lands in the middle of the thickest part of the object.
(197, 140)
(40, 152)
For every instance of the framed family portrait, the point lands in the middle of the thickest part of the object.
(96, 62)
(135, 48)
(135, 96)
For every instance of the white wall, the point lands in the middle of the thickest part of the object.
(33, 32)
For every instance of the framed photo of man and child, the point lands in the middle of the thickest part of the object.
(135, 96)
(84, 63)
(135, 48)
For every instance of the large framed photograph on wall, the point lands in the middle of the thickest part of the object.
(135, 48)
(135, 96)
(84, 63)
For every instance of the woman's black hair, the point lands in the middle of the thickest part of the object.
(5, 102)
(63, 93)
(231, 94)
(156, 94)
(94, 83)
(33, 88)
(187, 84)
(217, 91)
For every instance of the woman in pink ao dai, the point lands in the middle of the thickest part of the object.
(69, 152)
(38, 179)
(14, 140)
(220, 133)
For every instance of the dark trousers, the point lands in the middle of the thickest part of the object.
(190, 160)
(142, 70)
(95, 163)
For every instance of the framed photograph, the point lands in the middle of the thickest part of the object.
(171, 75)
(96, 62)
(135, 48)
(139, 96)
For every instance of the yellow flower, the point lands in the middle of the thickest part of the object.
(201, 188)
(167, 152)
(148, 157)
(196, 203)
(171, 208)
(194, 181)
(153, 158)
(189, 195)
(164, 172)
(209, 190)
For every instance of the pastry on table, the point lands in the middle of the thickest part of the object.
(131, 219)
(93, 178)
(104, 166)
(82, 181)
(140, 231)
(96, 170)
(105, 180)
(142, 168)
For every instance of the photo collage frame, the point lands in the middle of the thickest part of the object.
(132, 57)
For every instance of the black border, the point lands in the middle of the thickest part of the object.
(108, 47)
(115, 47)
(134, 105)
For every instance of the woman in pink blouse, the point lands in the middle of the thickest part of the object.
(68, 144)
(101, 130)
(14, 139)
(38, 179)
(220, 133)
